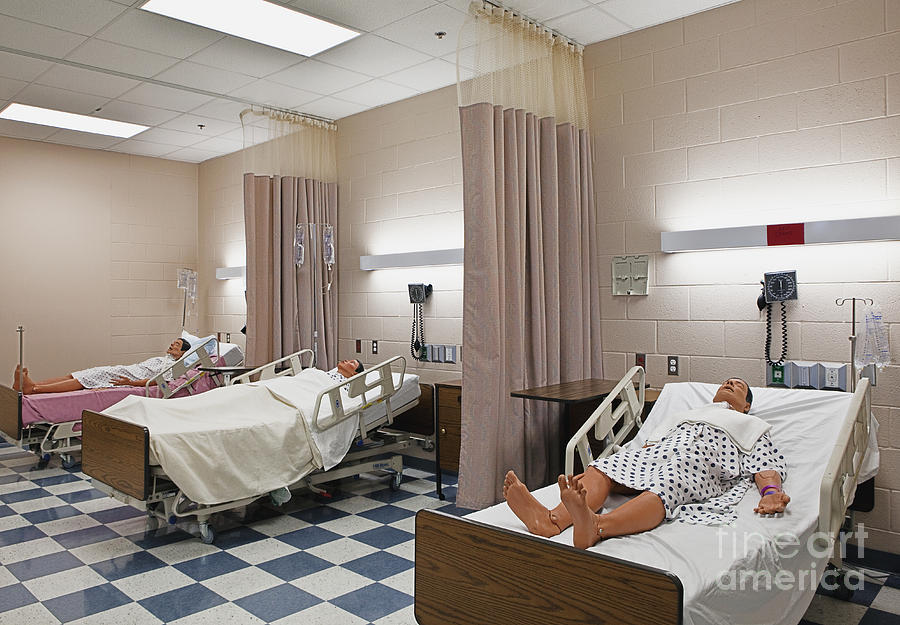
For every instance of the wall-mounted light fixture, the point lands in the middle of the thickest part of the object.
(412, 259)
(229, 273)
(836, 231)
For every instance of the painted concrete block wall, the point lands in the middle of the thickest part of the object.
(400, 190)
(762, 111)
(91, 244)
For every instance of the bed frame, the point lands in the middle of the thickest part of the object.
(463, 567)
(116, 454)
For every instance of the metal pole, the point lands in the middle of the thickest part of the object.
(21, 332)
(852, 383)
(313, 267)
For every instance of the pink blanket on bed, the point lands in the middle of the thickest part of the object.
(62, 407)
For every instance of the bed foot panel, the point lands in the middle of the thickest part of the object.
(116, 453)
(10, 412)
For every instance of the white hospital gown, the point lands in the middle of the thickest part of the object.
(696, 470)
(102, 377)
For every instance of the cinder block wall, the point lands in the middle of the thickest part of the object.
(759, 112)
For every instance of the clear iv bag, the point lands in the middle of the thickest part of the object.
(872, 346)
(328, 254)
(299, 245)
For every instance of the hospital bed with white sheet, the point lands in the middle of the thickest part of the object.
(197, 456)
(486, 567)
(50, 423)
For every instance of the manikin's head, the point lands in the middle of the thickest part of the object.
(178, 347)
(737, 393)
(349, 368)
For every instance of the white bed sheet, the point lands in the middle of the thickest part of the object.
(805, 425)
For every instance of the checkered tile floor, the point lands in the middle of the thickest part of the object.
(70, 554)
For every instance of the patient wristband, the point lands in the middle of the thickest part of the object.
(769, 489)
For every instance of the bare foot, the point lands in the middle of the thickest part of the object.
(15, 385)
(529, 510)
(27, 383)
(586, 528)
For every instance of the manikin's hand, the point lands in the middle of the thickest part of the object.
(772, 503)
(122, 381)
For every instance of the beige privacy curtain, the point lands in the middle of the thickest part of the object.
(290, 185)
(531, 312)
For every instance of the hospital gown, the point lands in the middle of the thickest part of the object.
(696, 470)
(102, 377)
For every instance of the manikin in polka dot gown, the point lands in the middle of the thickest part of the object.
(694, 473)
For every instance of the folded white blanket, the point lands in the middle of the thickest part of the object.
(743, 429)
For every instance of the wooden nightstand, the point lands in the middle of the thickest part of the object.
(449, 408)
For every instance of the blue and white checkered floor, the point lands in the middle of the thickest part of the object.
(70, 554)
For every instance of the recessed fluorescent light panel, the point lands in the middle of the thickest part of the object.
(70, 121)
(257, 20)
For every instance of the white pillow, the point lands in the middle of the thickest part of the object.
(211, 347)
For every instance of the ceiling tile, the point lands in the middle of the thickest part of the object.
(318, 77)
(648, 12)
(589, 25)
(21, 35)
(86, 81)
(245, 57)
(417, 31)
(10, 87)
(274, 94)
(225, 110)
(363, 15)
(84, 17)
(159, 34)
(333, 108)
(136, 113)
(189, 122)
(121, 58)
(376, 92)
(60, 99)
(543, 10)
(459, 5)
(149, 94)
(372, 55)
(428, 76)
(142, 148)
(193, 155)
(204, 77)
(169, 137)
(21, 130)
(22, 67)
(83, 139)
(220, 145)
(466, 57)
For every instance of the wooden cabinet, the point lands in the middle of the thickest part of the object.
(449, 406)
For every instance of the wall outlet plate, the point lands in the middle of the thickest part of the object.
(358, 346)
(672, 365)
(374, 347)
(450, 353)
(640, 360)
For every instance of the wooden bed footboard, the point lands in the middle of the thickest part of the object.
(10, 412)
(116, 453)
(470, 573)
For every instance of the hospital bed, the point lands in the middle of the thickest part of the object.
(51, 423)
(131, 458)
(486, 567)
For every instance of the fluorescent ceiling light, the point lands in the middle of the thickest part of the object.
(257, 20)
(71, 121)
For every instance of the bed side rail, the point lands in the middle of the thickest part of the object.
(361, 384)
(842, 470)
(470, 573)
(116, 453)
(626, 414)
(10, 412)
(293, 365)
(179, 369)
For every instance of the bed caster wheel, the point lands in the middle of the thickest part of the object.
(152, 521)
(70, 462)
(843, 590)
(207, 534)
(44, 461)
(172, 520)
(396, 480)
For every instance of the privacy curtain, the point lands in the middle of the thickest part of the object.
(531, 313)
(289, 181)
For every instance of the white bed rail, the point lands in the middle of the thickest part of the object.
(842, 470)
(627, 414)
(293, 365)
(359, 385)
(179, 369)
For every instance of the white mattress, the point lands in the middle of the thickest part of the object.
(805, 425)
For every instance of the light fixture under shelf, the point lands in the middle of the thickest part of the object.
(835, 231)
(412, 259)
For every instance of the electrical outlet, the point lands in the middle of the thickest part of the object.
(640, 360)
(832, 377)
(672, 365)
(440, 352)
(450, 353)
(374, 347)
(358, 346)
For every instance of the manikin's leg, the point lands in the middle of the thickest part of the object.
(538, 519)
(53, 385)
(640, 514)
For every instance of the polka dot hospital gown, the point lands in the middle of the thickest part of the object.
(102, 377)
(696, 470)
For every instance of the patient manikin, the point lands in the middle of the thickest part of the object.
(103, 377)
(695, 472)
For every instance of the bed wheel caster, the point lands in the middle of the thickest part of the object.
(396, 480)
(44, 461)
(69, 462)
(207, 534)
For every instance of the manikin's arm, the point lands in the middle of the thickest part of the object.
(773, 498)
(121, 381)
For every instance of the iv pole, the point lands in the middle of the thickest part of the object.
(840, 302)
(313, 235)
